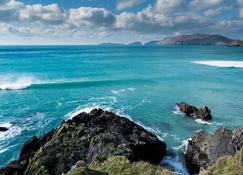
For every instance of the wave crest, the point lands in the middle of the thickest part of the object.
(13, 83)
(221, 63)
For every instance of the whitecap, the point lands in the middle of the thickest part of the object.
(184, 145)
(177, 111)
(88, 109)
(6, 125)
(203, 122)
(221, 63)
(2, 150)
(161, 136)
(131, 89)
(11, 82)
(111, 99)
(145, 100)
(11, 132)
(119, 91)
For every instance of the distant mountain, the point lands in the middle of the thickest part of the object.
(197, 39)
(111, 44)
(138, 43)
(194, 39)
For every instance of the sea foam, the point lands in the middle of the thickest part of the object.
(176, 164)
(12, 132)
(221, 63)
(11, 82)
(203, 122)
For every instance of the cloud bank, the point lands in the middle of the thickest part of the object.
(51, 22)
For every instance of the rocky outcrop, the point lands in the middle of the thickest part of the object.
(237, 43)
(2, 129)
(204, 113)
(228, 165)
(204, 149)
(87, 137)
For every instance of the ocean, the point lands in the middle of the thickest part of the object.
(40, 86)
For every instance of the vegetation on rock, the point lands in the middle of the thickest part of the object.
(119, 165)
(227, 165)
(87, 137)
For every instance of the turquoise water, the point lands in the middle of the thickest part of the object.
(43, 85)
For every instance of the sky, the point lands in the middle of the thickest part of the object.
(24, 22)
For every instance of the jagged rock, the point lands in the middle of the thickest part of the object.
(87, 138)
(187, 109)
(204, 149)
(228, 165)
(237, 43)
(204, 113)
(2, 129)
(12, 168)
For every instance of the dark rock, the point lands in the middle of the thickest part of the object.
(203, 113)
(236, 43)
(2, 129)
(27, 152)
(87, 138)
(204, 149)
(12, 168)
(187, 109)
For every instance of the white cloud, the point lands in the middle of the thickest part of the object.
(167, 5)
(164, 17)
(87, 16)
(204, 4)
(241, 12)
(213, 12)
(240, 2)
(51, 14)
(124, 4)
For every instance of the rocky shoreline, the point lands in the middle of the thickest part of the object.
(101, 142)
(205, 149)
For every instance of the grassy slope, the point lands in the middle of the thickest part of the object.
(227, 165)
(119, 165)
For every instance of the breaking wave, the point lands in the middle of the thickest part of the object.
(29, 82)
(221, 63)
(13, 83)
(11, 132)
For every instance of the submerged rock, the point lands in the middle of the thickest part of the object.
(204, 113)
(204, 149)
(87, 138)
(2, 129)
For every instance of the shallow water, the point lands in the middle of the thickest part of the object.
(43, 85)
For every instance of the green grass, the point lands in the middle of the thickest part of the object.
(227, 165)
(120, 165)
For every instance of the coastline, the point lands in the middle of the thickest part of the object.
(32, 150)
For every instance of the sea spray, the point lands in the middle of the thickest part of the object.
(221, 63)
(12, 82)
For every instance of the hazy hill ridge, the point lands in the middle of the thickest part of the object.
(197, 39)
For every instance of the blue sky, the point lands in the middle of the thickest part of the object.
(124, 21)
(107, 4)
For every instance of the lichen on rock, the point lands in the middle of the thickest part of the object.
(87, 137)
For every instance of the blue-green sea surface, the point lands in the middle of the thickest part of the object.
(42, 85)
